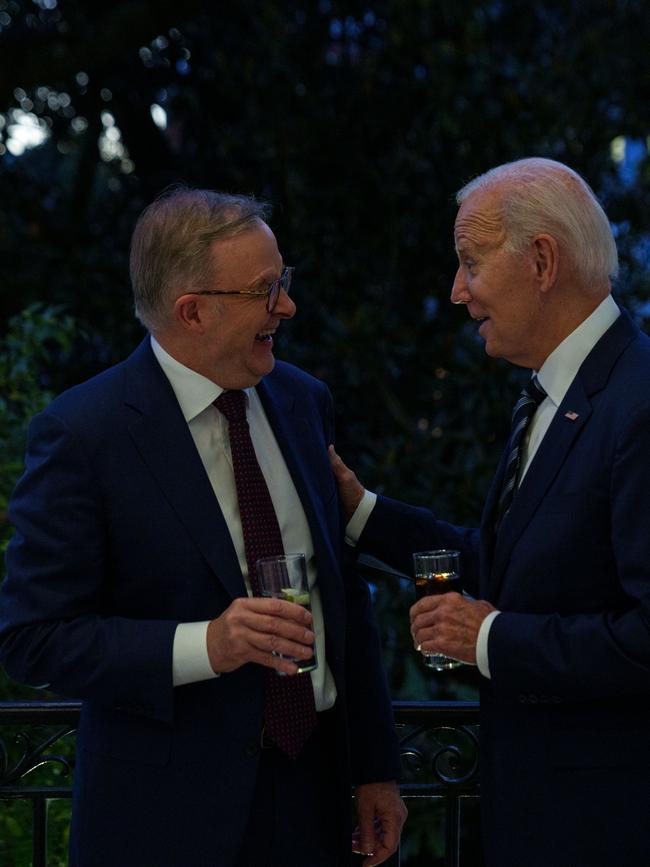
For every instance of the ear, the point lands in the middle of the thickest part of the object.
(188, 313)
(546, 259)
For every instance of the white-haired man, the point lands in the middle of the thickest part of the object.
(560, 567)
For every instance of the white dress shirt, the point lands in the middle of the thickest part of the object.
(209, 428)
(555, 376)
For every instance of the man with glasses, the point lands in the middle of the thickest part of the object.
(149, 492)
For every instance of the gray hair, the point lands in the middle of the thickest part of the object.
(170, 247)
(542, 195)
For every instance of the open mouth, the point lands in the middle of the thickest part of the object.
(265, 336)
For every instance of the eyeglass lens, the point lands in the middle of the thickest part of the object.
(274, 290)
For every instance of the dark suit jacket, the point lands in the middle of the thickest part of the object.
(566, 715)
(119, 537)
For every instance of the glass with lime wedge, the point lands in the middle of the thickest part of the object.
(285, 577)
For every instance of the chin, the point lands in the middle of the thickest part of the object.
(489, 350)
(259, 372)
(494, 349)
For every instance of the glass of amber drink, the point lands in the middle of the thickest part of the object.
(437, 572)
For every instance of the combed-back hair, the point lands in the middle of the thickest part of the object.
(170, 247)
(539, 195)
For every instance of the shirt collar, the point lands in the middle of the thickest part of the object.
(194, 392)
(560, 368)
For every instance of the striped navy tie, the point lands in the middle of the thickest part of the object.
(529, 399)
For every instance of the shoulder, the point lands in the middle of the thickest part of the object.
(77, 396)
(621, 397)
(99, 397)
(631, 373)
(618, 366)
(290, 387)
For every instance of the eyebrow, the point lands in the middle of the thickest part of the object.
(265, 278)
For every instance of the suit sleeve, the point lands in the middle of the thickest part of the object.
(396, 530)
(56, 629)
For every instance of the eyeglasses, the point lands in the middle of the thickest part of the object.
(271, 293)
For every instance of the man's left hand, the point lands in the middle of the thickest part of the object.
(448, 624)
(381, 813)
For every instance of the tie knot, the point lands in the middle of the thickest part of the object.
(534, 391)
(530, 398)
(232, 404)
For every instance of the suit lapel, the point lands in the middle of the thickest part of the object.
(544, 468)
(571, 417)
(165, 444)
(301, 448)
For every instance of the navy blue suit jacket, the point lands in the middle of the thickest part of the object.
(566, 715)
(119, 537)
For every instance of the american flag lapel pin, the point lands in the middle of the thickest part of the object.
(571, 415)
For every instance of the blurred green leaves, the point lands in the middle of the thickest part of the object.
(37, 346)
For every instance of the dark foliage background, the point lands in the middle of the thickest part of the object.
(358, 121)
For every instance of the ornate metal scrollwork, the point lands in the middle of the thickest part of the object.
(33, 755)
(447, 753)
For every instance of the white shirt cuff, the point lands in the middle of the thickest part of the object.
(359, 520)
(190, 659)
(482, 659)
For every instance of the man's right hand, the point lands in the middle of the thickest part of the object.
(351, 490)
(251, 629)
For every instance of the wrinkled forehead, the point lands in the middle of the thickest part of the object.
(479, 222)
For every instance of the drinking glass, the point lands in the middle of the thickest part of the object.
(285, 577)
(437, 572)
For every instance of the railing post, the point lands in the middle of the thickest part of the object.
(452, 831)
(39, 831)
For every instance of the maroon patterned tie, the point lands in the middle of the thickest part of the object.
(289, 712)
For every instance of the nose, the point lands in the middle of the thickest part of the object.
(460, 293)
(286, 306)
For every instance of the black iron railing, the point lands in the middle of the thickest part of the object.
(35, 758)
(440, 756)
(439, 752)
